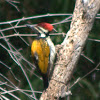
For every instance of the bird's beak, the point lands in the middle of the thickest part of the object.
(33, 27)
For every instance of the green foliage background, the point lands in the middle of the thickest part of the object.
(89, 87)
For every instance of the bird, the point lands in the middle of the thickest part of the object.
(43, 50)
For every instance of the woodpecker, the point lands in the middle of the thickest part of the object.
(43, 50)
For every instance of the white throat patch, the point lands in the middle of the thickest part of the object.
(42, 35)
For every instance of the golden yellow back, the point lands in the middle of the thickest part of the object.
(41, 48)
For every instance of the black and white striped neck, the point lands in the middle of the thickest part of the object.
(42, 32)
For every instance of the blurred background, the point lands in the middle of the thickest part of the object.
(18, 77)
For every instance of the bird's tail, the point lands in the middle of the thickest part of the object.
(45, 80)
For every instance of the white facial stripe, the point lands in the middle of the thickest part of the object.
(43, 30)
(38, 30)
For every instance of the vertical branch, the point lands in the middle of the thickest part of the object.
(69, 51)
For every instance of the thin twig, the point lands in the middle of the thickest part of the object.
(87, 58)
(12, 3)
(79, 79)
(34, 17)
(94, 40)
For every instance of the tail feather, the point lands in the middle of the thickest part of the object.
(45, 80)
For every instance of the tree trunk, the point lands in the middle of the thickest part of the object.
(69, 51)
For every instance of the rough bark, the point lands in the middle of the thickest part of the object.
(69, 51)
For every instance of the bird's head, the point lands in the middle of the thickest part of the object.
(42, 29)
